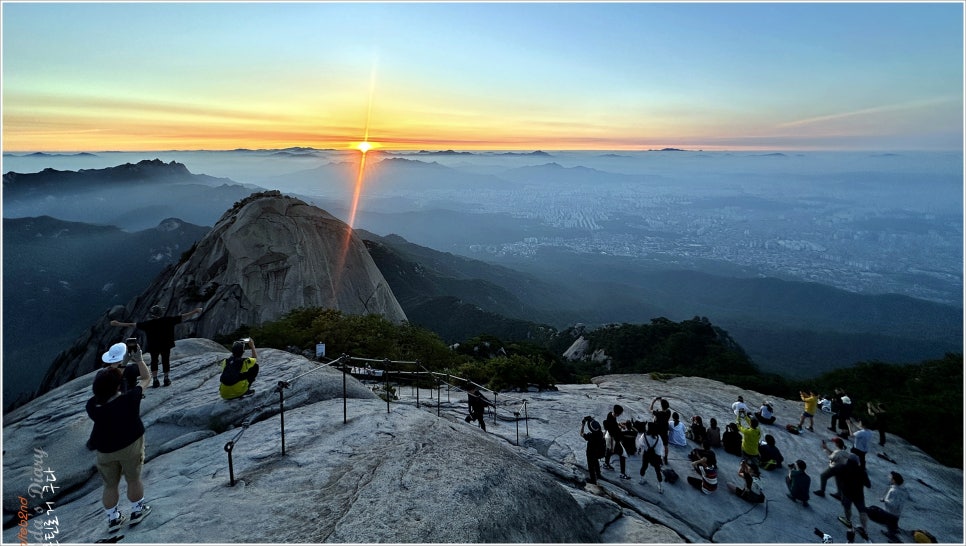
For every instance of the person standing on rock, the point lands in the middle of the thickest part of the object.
(853, 481)
(595, 447)
(118, 439)
(477, 404)
(238, 373)
(878, 413)
(616, 432)
(159, 330)
(650, 445)
(662, 419)
(811, 406)
(837, 460)
(861, 439)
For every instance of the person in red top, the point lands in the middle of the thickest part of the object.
(159, 331)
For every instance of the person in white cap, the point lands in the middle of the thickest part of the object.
(118, 437)
(159, 331)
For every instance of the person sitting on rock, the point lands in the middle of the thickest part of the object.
(731, 439)
(739, 407)
(750, 437)
(893, 501)
(766, 413)
(705, 463)
(676, 430)
(697, 430)
(798, 482)
(769, 454)
(751, 492)
(713, 434)
(238, 373)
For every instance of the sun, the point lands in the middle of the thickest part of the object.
(364, 146)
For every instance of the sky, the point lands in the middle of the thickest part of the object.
(499, 76)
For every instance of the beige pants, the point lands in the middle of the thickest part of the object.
(127, 461)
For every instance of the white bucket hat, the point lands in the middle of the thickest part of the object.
(115, 354)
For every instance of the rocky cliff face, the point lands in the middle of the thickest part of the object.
(268, 255)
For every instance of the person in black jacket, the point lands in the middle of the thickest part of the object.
(615, 446)
(477, 403)
(595, 447)
(118, 439)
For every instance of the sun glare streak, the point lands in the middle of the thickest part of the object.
(363, 147)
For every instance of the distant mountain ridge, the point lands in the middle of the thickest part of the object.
(59, 276)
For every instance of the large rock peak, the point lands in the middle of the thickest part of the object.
(267, 255)
(270, 254)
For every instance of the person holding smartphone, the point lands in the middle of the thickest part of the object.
(238, 373)
(118, 436)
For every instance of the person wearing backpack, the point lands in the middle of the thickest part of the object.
(238, 373)
(651, 446)
(595, 447)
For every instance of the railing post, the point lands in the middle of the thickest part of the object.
(231, 468)
(345, 370)
(516, 414)
(526, 418)
(494, 407)
(281, 409)
(385, 371)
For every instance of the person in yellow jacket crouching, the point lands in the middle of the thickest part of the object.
(238, 373)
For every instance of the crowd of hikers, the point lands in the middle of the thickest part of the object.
(647, 438)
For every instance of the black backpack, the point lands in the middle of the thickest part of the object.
(232, 373)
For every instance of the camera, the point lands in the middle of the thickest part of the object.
(132, 344)
(587, 419)
(246, 340)
(791, 466)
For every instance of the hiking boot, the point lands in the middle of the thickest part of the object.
(862, 533)
(167, 382)
(156, 383)
(625, 477)
(113, 525)
(818, 493)
(836, 496)
(846, 521)
(811, 429)
(607, 466)
(139, 515)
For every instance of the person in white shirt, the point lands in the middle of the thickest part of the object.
(676, 431)
(893, 501)
(766, 413)
(739, 406)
